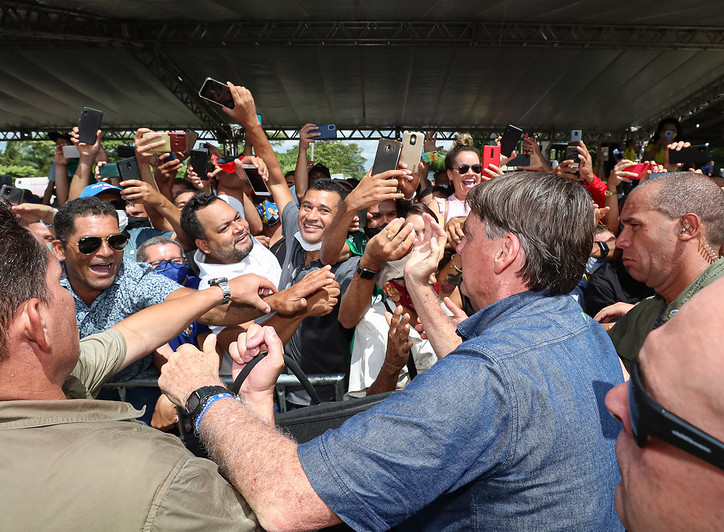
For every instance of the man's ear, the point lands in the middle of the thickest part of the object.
(58, 249)
(690, 226)
(203, 245)
(32, 323)
(507, 253)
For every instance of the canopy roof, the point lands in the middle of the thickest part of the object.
(595, 65)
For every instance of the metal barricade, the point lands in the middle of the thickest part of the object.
(283, 382)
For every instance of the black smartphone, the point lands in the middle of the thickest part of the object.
(126, 151)
(698, 154)
(199, 161)
(217, 92)
(128, 169)
(255, 180)
(388, 152)
(88, 125)
(326, 131)
(520, 160)
(109, 170)
(510, 139)
(13, 195)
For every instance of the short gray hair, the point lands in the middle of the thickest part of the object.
(155, 241)
(679, 193)
(552, 218)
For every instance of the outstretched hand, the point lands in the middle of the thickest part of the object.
(189, 369)
(426, 253)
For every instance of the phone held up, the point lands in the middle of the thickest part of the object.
(388, 153)
(413, 142)
(13, 195)
(491, 155)
(217, 92)
(326, 131)
(256, 181)
(572, 149)
(88, 125)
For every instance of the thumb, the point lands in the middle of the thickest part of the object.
(209, 347)
(458, 313)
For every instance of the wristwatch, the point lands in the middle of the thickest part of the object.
(223, 283)
(364, 273)
(604, 249)
(197, 400)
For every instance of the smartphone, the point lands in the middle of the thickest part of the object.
(491, 155)
(109, 170)
(576, 135)
(255, 180)
(200, 163)
(572, 153)
(388, 153)
(217, 92)
(698, 154)
(165, 147)
(177, 139)
(510, 139)
(70, 151)
(413, 143)
(128, 169)
(669, 135)
(327, 131)
(521, 160)
(13, 195)
(639, 169)
(126, 151)
(88, 125)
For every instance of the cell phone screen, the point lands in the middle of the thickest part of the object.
(256, 181)
(217, 92)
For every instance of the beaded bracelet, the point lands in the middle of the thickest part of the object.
(211, 401)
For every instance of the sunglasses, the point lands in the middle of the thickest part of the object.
(649, 418)
(463, 168)
(91, 244)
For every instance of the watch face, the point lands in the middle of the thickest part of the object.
(193, 402)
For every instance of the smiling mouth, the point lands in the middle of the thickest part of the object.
(101, 269)
(241, 237)
(311, 228)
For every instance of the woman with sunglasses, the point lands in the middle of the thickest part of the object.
(464, 171)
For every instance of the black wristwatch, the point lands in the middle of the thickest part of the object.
(223, 283)
(604, 249)
(364, 273)
(197, 400)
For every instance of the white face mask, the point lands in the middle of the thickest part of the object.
(122, 220)
(306, 246)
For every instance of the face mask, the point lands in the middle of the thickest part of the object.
(371, 232)
(137, 221)
(122, 220)
(175, 272)
(405, 299)
(306, 246)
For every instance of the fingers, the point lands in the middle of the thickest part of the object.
(457, 312)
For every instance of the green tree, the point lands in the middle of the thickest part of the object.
(339, 157)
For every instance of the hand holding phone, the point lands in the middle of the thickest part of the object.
(258, 185)
(510, 139)
(388, 153)
(491, 155)
(88, 125)
(327, 131)
(13, 195)
(217, 92)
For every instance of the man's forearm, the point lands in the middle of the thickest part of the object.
(229, 314)
(264, 466)
(334, 247)
(439, 328)
(80, 180)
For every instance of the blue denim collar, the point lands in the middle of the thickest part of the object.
(496, 312)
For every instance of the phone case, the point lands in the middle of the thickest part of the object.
(109, 170)
(200, 163)
(572, 153)
(128, 169)
(12, 194)
(217, 92)
(89, 124)
(491, 155)
(177, 141)
(510, 139)
(166, 147)
(327, 131)
(576, 135)
(639, 169)
(413, 142)
(521, 160)
(698, 154)
(388, 153)
(70, 152)
(256, 181)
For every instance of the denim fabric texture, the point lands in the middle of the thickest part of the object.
(508, 432)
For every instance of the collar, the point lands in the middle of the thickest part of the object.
(495, 313)
(705, 278)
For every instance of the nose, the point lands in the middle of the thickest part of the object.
(622, 241)
(617, 405)
(239, 226)
(105, 250)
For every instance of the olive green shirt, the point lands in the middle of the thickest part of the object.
(88, 465)
(630, 331)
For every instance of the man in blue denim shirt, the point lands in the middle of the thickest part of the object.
(508, 432)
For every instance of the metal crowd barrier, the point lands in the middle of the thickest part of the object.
(283, 382)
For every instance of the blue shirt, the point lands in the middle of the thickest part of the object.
(136, 287)
(507, 432)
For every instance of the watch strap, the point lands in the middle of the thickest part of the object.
(365, 273)
(198, 398)
(223, 283)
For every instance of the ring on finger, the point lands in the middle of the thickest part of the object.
(389, 236)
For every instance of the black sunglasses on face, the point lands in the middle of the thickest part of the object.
(463, 168)
(91, 244)
(649, 418)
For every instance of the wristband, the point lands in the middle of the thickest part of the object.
(211, 400)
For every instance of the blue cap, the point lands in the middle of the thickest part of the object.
(97, 188)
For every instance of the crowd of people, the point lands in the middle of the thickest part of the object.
(537, 328)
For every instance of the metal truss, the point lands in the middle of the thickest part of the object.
(108, 134)
(30, 24)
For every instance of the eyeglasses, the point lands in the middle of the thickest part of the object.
(649, 418)
(463, 168)
(91, 244)
(175, 260)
